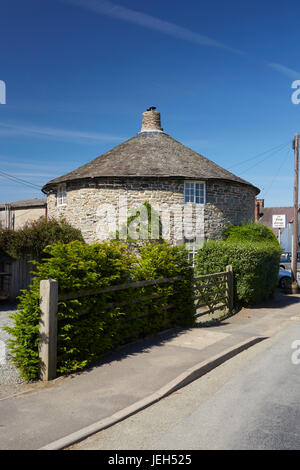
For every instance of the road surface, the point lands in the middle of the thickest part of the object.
(250, 402)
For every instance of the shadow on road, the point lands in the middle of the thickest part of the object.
(278, 300)
(7, 306)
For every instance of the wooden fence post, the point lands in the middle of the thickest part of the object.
(229, 288)
(48, 328)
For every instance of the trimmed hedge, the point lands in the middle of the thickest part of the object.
(252, 232)
(255, 267)
(159, 260)
(84, 339)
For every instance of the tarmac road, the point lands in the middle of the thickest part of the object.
(250, 402)
(60, 413)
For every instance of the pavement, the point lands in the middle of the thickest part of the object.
(57, 414)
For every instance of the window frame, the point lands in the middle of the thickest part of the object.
(194, 182)
(192, 246)
(61, 196)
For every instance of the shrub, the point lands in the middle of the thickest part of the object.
(255, 267)
(160, 260)
(252, 232)
(35, 236)
(139, 225)
(82, 339)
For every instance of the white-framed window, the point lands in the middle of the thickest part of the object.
(194, 192)
(192, 250)
(192, 246)
(62, 195)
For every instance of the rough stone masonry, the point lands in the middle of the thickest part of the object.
(153, 167)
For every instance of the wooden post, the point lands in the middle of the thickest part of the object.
(48, 328)
(295, 224)
(229, 288)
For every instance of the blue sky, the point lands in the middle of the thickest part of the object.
(79, 74)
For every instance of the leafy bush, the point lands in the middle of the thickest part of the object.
(82, 339)
(160, 260)
(35, 236)
(139, 225)
(255, 267)
(252, 232)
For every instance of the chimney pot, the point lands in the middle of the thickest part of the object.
(151, 121)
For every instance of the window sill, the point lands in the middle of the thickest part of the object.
(195, 203)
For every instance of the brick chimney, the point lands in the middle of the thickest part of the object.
(259, 205)
(151, 121)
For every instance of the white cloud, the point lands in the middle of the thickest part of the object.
(29, 166)
(7, 129)
(107, 8)
(284, 70)
(34, 175)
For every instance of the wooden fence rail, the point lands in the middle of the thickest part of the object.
(49, 298)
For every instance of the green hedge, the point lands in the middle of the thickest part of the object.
(84, 339)
(255, 267)
(35, 236)
(251, 232)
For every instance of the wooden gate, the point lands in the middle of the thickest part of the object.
(20, 275)
(214, 292)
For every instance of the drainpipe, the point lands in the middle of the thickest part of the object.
(7, 216)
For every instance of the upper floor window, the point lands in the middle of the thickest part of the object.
(194, 192)
(62, 195)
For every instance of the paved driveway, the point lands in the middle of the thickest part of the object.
(10, 379)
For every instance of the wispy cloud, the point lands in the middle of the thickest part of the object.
(15, 189)
(34, 174)
(284, 70)
(8, 129)
(28, 166)
(107, 8)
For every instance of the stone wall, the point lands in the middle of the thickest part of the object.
(227, 203)
(96, 207)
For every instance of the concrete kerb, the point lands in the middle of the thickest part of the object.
(182, 380)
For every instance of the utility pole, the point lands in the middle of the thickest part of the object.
(295, 225)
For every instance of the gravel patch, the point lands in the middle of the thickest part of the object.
(10, 378)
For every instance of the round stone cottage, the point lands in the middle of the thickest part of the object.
(194, 198)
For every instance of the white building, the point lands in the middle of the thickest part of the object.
(286, 236)
(280, 221)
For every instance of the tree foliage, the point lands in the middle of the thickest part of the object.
(35, 236)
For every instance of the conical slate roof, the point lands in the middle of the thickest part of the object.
(150, 154)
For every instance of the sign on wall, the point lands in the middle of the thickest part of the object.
(279, 221)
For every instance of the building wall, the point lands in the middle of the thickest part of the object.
(286, 236)
(226, 203)
(24, 216)
(21, 216)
